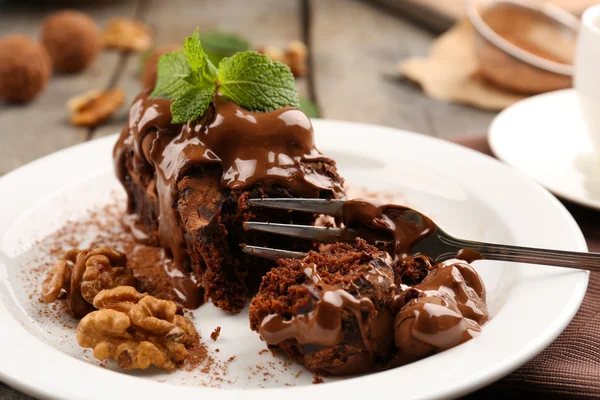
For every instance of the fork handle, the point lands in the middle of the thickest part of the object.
(529, 255)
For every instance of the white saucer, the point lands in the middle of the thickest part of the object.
(544, 136)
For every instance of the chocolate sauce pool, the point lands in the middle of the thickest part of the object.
(265, 149)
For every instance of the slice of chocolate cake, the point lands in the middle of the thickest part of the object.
(188, 187)
(332, 311)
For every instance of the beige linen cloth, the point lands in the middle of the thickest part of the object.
(450, 72)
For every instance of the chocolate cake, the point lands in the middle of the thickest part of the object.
(344, 310)
(332, 311)
(188, 187)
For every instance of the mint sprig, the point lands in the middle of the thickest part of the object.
(203, 71)
(172, 69)
(189, 79)
(218, 45)
(255, 82)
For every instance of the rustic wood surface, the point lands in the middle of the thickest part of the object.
(356, 76)
(440, 14)
(354, 46)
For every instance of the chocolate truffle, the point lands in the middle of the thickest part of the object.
(72, 39)
(25, 68)
(332, 311)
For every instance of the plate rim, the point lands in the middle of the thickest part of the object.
(508, 366)
(500, 152)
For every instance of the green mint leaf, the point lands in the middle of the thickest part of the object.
(256, 83)
(191, 104)
(309, 108)
(172, 69)
(201, 66)
(218, 45)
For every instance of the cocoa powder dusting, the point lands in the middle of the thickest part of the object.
(102, 227)
(197, 356)
(99, 227)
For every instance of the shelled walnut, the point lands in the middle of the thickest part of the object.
(82, 274)
(127, 35)
(136, 329)
(94, 107)
(295, 56)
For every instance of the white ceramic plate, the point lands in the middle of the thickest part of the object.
(544, 136)
(467, 193)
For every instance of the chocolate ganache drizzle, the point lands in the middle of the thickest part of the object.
(449, 304)
(406, 225)
(323, 325)
(446, 309)
(254, 149)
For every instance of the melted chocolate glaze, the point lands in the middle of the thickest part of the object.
(446, 309)
(449, 305)
(406, 225)
(469, 255)
(323, 325)
(254, 149)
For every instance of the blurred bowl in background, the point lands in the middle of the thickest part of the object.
(524, 47)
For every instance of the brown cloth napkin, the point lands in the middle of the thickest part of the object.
(570, 367)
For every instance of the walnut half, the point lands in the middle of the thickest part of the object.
(295, 56)
(136, 329)
(127, 35)
(82, 274)
(94, 107)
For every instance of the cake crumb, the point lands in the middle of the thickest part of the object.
(317, 380)
(215, 334)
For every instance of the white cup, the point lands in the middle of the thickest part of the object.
(587, 72)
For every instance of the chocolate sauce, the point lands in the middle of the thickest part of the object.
(323, 325)
(406, 225)
(448, 308)
(469, 255)
(254, 149)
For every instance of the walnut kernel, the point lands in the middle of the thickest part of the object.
(135, 329)
(82, 274)
(127, 35)
(295, 56)
(95, 106)
(59, 277)
(104, 268)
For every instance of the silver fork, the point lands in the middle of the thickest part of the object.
(439, 245)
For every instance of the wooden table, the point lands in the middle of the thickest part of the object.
(355, 47)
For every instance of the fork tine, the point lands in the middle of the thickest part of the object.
(319, 233)
(272, 254)
(317, 206)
